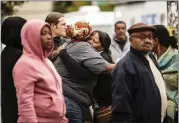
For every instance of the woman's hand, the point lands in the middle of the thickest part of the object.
(59, 49)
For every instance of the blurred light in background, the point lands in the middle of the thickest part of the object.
(89, 9)
(118, 14)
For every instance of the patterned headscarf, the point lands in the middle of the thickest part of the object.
(79, 31)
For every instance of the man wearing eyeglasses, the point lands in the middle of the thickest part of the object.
(138, 89)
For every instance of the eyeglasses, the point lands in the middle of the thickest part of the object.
(143, 37)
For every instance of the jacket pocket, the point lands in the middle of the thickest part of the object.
(56, 108)
(50, 107)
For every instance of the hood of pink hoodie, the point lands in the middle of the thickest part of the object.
(31, 39)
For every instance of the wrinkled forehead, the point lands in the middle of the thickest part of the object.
(147, 32)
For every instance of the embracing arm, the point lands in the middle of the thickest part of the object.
(24, 82)
(55, 53)
(53, 56)
(109, 67)
(73, 67)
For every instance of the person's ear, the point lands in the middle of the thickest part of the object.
(53, 26)
(155, 41)
(130, 39)
(115, 30)
(155, 44)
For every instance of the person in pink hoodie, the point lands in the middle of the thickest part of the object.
(38, 85)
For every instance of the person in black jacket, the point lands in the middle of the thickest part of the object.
(138, 88)
(102, 92)
(10, 36)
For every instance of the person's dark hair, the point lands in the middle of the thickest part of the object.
(119, 22)
(53, 17)
(173, 42)
(163, 35)
(105, 41)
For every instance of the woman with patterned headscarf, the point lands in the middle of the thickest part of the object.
(166, 50)
(79, 31)
(79, 86)
(102, 91)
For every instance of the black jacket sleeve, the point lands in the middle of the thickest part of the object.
(75, 69)
(122, 99)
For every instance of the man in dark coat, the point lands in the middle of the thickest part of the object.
(138, 89)
(10, 33)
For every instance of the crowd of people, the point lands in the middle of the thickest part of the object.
(53, 73)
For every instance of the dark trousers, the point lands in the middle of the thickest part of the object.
(74, 112)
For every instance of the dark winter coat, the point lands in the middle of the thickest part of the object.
(10, 33)
(135, 95)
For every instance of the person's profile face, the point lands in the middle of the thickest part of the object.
(46, 38)
(95, 42)
(60, 27)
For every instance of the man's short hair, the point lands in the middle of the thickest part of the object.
(119, 22)
(53, 17)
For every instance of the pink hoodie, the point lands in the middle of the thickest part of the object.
(38, 85)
